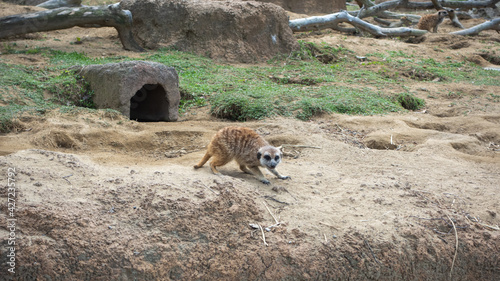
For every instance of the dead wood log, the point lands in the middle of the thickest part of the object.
(463, 5)
(368, 11)
(53, 4)
(62, 18)
(377, 10)
(445, 3)
(333, 20)
(493, 24)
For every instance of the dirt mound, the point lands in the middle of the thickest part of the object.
(310, 7)
(129, 205)
(229, 30)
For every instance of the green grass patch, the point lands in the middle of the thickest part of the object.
(316, 79)
(409, 101)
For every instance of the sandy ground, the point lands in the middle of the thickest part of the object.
(100, 197)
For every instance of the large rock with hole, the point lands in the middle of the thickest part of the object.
(229, 30)
(141, 90)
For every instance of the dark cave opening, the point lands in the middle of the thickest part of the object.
(149, 104)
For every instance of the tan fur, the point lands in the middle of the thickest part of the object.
(428, 22)
(245, 146)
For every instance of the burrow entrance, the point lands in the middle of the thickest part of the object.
(149, 104)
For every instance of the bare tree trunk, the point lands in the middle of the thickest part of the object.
(463, 5)
(62, 18)
(52, 4)
(451, 4)
(373, 10)
(492, 24)
(332, 21)
(381, 13)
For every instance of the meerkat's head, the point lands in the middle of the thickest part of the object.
(442, 14)
(269, 156)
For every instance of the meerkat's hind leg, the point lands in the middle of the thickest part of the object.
(276, 173)
(203, 160)
(216, 162)
(258, 174)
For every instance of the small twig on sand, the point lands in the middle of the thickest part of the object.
(493, 227)
(275, 200)
(326, 240)
(324, 223)
(371, 251)
(263, 236)
(276, 220)
(300, 146)
(271, 226)
(456, 245)
(207, 187)
(66, 178)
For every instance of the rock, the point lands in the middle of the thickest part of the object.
(309, 6)
(234, 31)
(144, 91)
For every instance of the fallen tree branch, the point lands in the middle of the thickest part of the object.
(380, 12)
(377, 9)
(333, 20)
(52, 4)
(445, 3)
(464, 5)
(62, 18)
(493, 24)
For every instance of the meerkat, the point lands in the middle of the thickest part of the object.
(245, 146)
(428, 22)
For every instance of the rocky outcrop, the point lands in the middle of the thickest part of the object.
(143, 91)
(228, 30)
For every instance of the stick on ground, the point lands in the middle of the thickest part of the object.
(276, 220)
(263, 236)
(456, 245)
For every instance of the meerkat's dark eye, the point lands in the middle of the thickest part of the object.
(267, 157)
(277, 158)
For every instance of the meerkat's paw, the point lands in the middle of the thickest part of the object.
(285, 177)
(265, 181)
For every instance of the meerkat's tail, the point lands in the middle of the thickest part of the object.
(203, 161)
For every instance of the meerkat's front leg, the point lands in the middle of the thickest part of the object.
(245, 169)
(276, 173)
(258, 174)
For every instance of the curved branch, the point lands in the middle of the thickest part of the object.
(52, 4)
(332, 21)
(475, 30)
(376, 9)
(62, 18)
(452, 4)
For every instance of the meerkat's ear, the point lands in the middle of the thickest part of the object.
(259, 155)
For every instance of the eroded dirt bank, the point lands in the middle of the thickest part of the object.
(101, 198)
